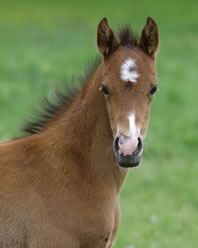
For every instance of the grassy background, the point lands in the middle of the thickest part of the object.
(45, 42)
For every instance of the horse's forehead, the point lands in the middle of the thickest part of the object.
(130, 64)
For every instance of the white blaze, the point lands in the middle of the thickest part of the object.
(132, 125)
(129, 71)
(130, 144)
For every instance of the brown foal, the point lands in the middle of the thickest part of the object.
(60, 183)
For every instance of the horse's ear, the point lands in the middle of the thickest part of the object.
(106, 40)
(149, 40)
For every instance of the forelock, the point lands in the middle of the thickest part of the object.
(127, 37)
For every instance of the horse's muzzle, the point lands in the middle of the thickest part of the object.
(128, 160)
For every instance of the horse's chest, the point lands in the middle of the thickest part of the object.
(91, 221)
(97, 240)
(97, 232)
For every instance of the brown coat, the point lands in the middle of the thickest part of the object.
(59, 186)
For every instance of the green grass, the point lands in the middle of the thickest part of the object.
(46, 42)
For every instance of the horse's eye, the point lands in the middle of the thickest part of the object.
(104, 89)
(153, 90)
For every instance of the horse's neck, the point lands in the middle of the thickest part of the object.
(87, 136)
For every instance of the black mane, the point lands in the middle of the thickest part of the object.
(62, 99)
(64, 96)
(127, 37)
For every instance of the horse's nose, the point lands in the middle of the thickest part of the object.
(128, 153)
(128, 145)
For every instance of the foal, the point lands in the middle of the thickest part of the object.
(60, 184)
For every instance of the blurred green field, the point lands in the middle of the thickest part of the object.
(44, 43)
